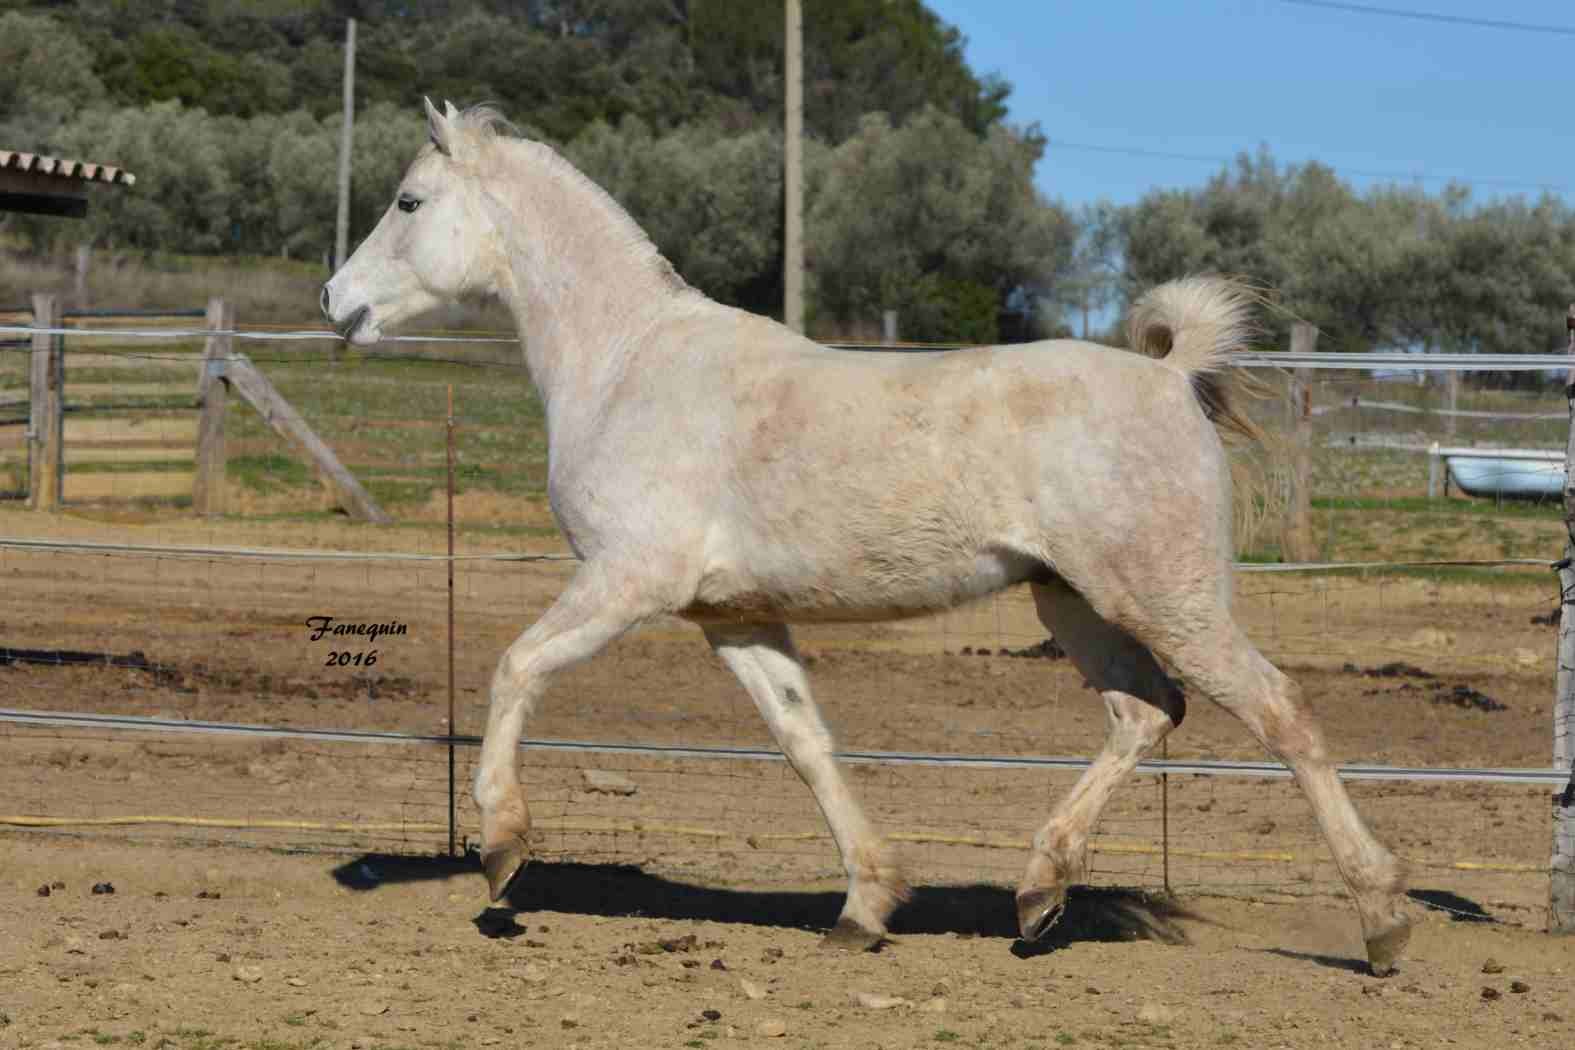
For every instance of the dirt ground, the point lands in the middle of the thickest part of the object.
(305, 950)
(333, 924)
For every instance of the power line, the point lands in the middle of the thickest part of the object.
(1133, 151)
(1428, 16)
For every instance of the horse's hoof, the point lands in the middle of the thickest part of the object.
(502, 865)
(1384, 948)
(1037, 911)
(849, 936)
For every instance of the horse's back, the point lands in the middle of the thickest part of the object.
(873, 486)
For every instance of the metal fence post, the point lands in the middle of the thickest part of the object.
(453, 817)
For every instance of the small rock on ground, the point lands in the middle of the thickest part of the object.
(771, 1028)
(604, 783)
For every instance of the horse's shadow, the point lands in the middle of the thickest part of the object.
(1092, 914)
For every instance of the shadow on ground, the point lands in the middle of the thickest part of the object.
(1092, 914)
(1348, 964)
(1458, 908)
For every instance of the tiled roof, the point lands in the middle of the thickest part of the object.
(77, 170)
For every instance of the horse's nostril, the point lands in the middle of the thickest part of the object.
(324, 303)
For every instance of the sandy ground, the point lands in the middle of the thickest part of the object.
(334, 925)
(306, 950)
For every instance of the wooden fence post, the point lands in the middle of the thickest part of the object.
(46, 432)
(1561, 878)
(287, 422)
(1296, 542)
(213, 388)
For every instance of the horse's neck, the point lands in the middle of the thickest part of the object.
(584, 284)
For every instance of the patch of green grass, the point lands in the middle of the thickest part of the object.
(1065, 1039)
(1227, 1039)
(1452, 507)
(946, 1035)
(295, 1020)
(209, 1042)
(105, 1039)
(151, 466)
(267, 473)
(137, 1038)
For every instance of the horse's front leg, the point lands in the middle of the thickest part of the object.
(765, 661)
(596, 607)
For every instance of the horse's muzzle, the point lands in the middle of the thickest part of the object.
(348, 326)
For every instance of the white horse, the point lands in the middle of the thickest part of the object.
(714, 465)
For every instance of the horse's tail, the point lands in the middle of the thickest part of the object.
(1197, 325)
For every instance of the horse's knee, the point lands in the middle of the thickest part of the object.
(1139, 721)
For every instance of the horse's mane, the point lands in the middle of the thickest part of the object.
(487, 124)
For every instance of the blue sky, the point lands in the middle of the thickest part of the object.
(1361, 93)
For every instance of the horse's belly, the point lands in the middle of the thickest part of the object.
(858, 597)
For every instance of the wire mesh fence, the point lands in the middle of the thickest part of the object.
(1419, 666)
(750, 821)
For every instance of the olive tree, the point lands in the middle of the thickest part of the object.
(933, 221)
(48, 77)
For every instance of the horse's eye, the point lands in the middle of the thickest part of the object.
(407, 203)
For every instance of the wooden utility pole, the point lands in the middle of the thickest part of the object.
(207, 492)
(46, 432)
(1296, 541)
(346, 136)
(793, 173)
(1561, 881)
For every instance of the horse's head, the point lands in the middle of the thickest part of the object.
(435, 243)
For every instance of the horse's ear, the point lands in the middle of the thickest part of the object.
(438, 128)
(448, 110)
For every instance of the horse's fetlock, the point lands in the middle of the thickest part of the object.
(1054, 841)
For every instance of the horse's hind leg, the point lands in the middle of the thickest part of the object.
(1216, 658)
(1142, 705)
(765, 661)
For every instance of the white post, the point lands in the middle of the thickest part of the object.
(1432, 471)
(1451, 401)
(793, 173)
(346, 135)
(888, 324)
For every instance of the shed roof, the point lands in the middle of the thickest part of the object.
(73, 170)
